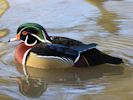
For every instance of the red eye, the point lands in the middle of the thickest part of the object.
(24, 32)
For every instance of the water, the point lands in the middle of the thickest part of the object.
(106, 22)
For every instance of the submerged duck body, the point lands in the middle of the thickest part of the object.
(40, 50)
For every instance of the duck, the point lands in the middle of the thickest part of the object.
(38, 49)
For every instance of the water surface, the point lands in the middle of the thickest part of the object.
(106, 22)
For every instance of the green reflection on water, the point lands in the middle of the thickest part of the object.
(3, 7)
(5, 97)
(108, 18)
(3, 32)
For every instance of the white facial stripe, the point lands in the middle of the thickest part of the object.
(26, 43)
(45, 40)
(37, 37)
(44, 36)
(22, 30)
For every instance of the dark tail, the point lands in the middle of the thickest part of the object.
(96, 57)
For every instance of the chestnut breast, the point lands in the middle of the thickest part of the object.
(20, 51)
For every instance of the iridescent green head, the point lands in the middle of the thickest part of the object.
(31, 34)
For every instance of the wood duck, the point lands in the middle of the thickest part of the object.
(40, 50)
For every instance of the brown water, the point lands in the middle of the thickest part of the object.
(106, 22)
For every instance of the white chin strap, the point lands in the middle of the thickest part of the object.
(26, 43)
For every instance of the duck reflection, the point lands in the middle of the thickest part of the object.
(108, 18)
(67, 75)
(36, 81)
(31, 87)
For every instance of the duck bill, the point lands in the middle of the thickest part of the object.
(17, 38)
(13, 39)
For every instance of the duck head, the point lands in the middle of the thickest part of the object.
(31, 34)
